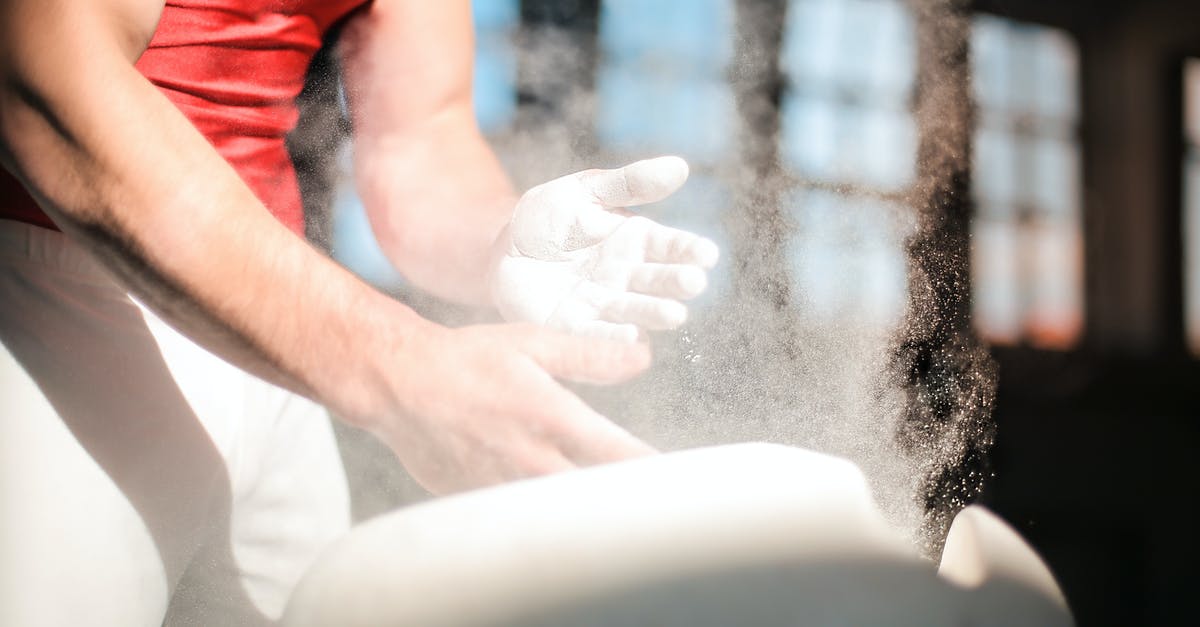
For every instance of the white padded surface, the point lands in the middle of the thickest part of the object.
(981, 548)
(750, 534)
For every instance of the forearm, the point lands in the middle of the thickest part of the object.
(121, 170)
(419, 156)
(437, 200)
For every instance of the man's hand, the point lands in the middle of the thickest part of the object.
(574, 259)
(481, 405)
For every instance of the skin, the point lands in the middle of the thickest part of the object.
(121, 171)
(413, 114)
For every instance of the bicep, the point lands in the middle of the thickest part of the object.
(406, 63)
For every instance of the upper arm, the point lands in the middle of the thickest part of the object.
(57, 51)
(43, 29)
(407, 63)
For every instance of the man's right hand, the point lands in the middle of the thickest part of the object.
(480, 405)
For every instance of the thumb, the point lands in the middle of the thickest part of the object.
(585, 359)
(638, 183)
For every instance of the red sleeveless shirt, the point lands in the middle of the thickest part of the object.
(234, 68)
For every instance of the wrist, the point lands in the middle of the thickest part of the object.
(385, 354)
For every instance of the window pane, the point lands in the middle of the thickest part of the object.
(889, 145)
(809, 135)
(811, 39)
(1191, 225)
(1054, 318)
(1055, 191)
(994, 172)
(847, 258)
(996, 278)
(495, 62)
(1057, 69)
(663, 90)
(990, 65)
(1191, 203)
(644, 114)
(1192, 102)
(850, 65)
(1027, 270)
(670, 37)
(865, 46)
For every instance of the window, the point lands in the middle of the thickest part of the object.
(849, 138)
(1027, 240)
(496, 22)
(1191, 202)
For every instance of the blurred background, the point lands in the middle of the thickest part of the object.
(1012, 182)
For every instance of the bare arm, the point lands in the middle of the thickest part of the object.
(121, 170)
(419, 156)
(118, 167)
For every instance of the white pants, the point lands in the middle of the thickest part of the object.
(143, 479)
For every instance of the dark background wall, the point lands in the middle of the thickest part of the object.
(1096, 447)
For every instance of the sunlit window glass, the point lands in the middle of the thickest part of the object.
(849, 138)
(661, 82)
(1191, 202)
(1027, 240)
(848, 258)
(850, 67)
(496, 22)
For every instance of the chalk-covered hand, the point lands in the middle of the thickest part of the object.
(576, 260)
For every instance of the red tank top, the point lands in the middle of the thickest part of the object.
(234, 67)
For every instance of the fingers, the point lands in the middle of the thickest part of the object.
(648, 312)
(638, 183)
(582, 435)
(602, 329)
(600, 311)
(594, 439)
(667, 245)
(585, 359)
(585, 437)
(676, 281)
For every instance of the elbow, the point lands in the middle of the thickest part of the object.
(24, 116)
(25, 111)
(37, 148)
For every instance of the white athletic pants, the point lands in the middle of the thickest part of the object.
(143, 479)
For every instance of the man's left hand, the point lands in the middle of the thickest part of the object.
(575, 259)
